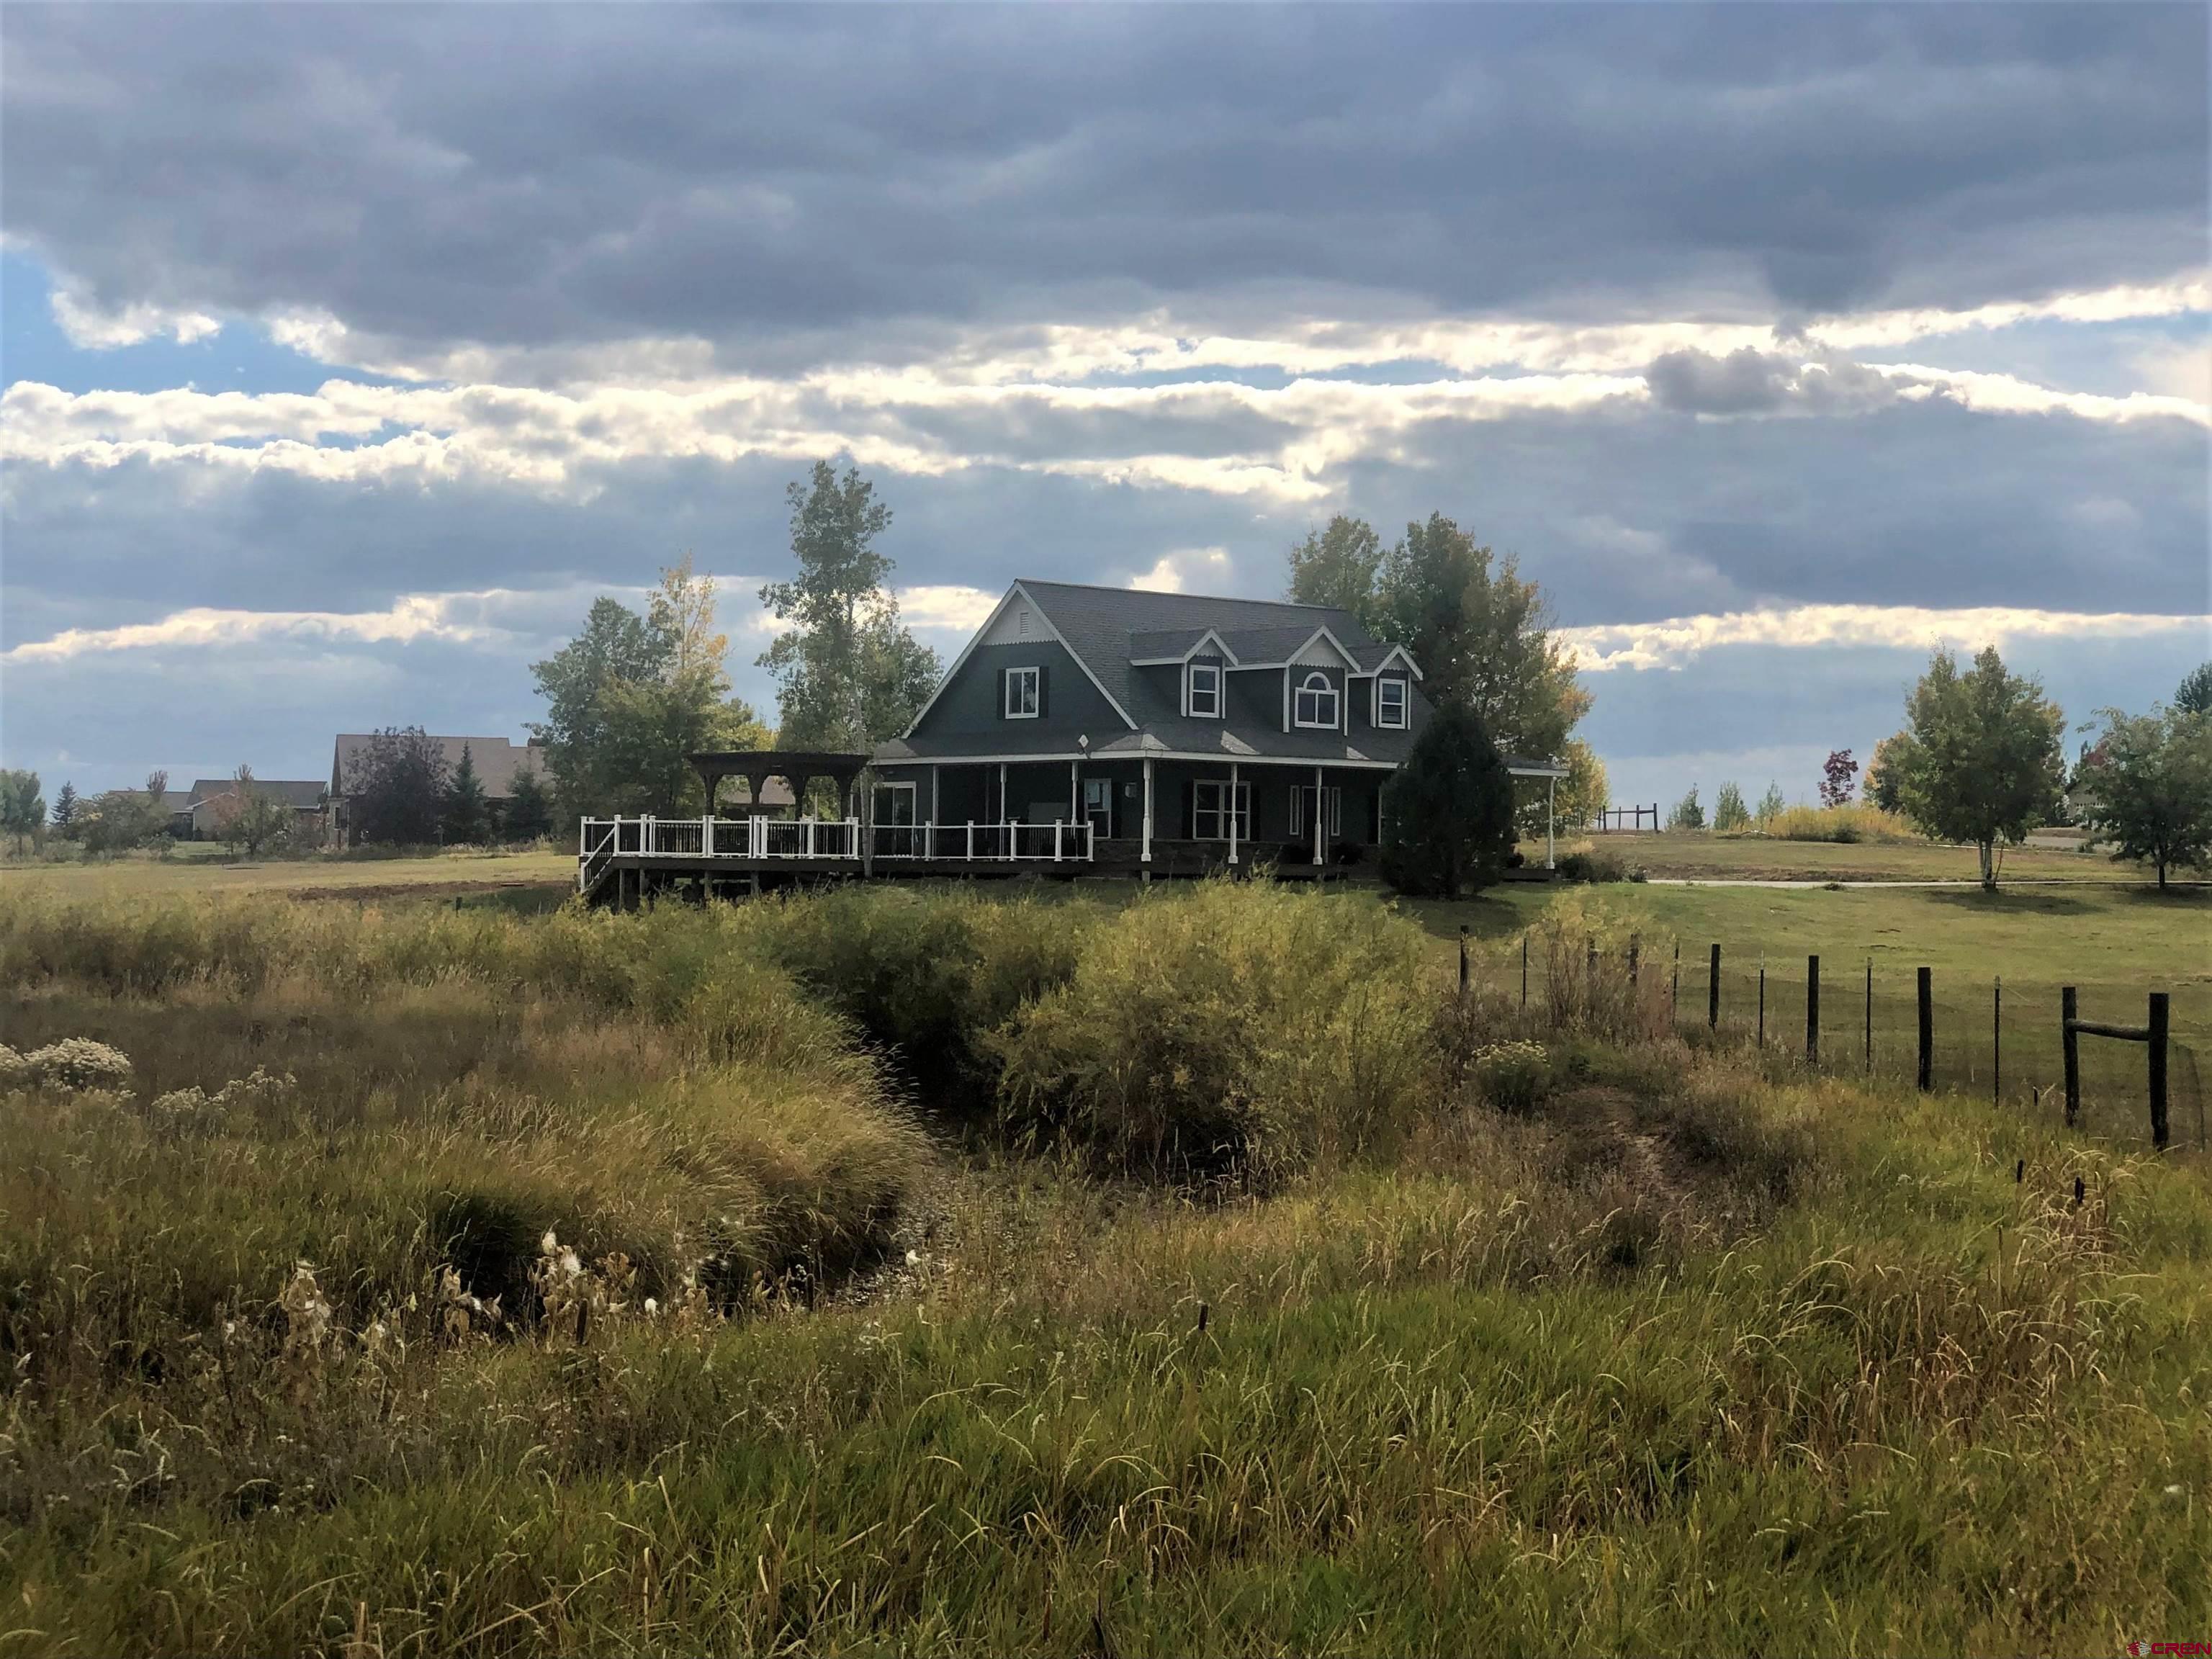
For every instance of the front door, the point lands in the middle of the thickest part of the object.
(1098, 807)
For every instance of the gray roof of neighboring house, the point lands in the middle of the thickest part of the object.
(301, 794)
(496, 760)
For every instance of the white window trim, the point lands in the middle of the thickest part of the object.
(1335, 703)
(1220, 788)
(1404, 699)
(1037, 692)
(1191, 671)
(1332, 799)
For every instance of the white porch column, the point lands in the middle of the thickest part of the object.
(1074, 792)
(1550, 839)
(1320, 820)
(1146, 856)
(1233, 814)
(1005, 817)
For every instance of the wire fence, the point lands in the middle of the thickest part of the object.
(2002, 1039)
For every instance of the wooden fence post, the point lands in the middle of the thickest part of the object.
(1996, 1041)
(2069, 1042)
(1635, 954)
(1463, 958)
(2159, 1131)
(1762, 1005)
(1812, 1011)
(1674, 989)
(1869, 1015)
(1927, 1030)
(1524, 972)
(1713, 992)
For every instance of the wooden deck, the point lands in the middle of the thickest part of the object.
(626, 862)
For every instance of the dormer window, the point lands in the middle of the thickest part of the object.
(1203, 699)
(1316, 702)
(1390, 704)
(1021, 693)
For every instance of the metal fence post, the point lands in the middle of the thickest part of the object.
(1869, 1015)
(1762, 1005)
(1524, 971)
(1812, 1011)
(1927, 989)
(1713, 992)
(1463, 958)
(1996, 1040)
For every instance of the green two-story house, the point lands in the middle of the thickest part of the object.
(1164, 732)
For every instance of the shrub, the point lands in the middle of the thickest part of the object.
(1686, 813)
(1594, 864)
(1844, 825)
(79, 1063)
(1513, 1076)
(1241, 1026)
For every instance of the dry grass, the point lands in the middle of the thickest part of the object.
(1626, 1347)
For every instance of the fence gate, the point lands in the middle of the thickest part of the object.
(2153, 1034)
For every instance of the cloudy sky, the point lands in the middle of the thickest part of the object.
(349, 352)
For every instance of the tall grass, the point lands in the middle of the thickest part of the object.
(1845, 825)
(1241, 1025)
(1669, 1356)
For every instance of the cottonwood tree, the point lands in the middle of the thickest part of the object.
(250, 817)
(1337, 566)
(121, 819)
(1482, 635)
(1448, 811)
(397, 789)
(630, 695)
(2150, 787)
(1979, 760)
(1728, 811)
(2195, 697)
(1880, 779)
(1581, 795)
(22, 808)
(848, 673)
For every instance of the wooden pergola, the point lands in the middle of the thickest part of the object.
(796, 767)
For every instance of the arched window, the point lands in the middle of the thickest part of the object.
(1316, 702)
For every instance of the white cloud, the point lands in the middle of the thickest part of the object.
(414, 617)
(2008, 394)
(91, 329)
(1679, 640)
(949, 608)
(1175, 571)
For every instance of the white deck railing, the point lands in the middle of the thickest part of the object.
(601, 840)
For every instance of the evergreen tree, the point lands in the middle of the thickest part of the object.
(466, 819)
(1687, 814)
(529, 808)
(1448, 811)
(64, 815)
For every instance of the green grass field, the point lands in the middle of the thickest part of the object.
(1691, 856)
(1634, 1344)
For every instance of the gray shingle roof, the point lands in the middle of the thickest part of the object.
(496, 760)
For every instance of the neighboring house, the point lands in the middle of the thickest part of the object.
(1265, 726)
(206, 803)
(177, 803)
(497, 761)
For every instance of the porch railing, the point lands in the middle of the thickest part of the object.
(600, 841)
(1062, 842)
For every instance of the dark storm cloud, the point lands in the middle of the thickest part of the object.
(541, 175)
